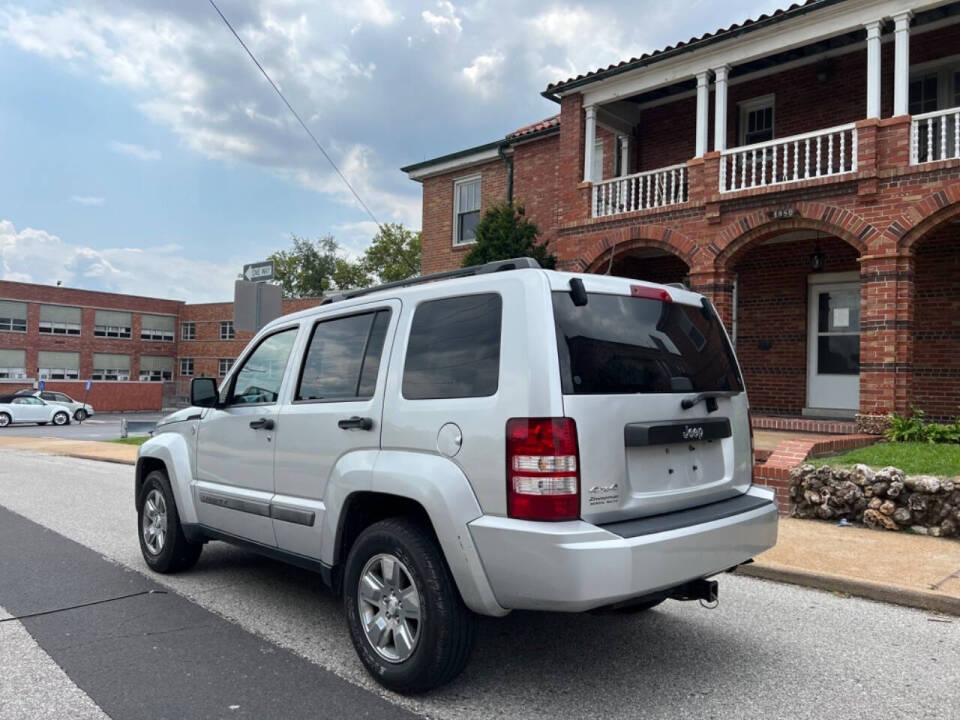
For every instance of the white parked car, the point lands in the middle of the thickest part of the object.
(470, 443)
(30, 409)
(79, 411)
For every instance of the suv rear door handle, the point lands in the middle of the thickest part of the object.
(262, 424)
(356, 423)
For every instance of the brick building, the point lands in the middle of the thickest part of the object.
(801, 169)
(140, 353)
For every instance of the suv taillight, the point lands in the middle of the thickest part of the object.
(753, 454)
(543, 475)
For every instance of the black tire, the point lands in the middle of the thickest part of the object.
(177, 553)
(5, 419)
(80, 415)
(60, 418)
(448, 628)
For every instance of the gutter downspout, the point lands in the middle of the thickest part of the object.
(508, 160)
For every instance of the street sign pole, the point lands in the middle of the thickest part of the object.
(85, 396)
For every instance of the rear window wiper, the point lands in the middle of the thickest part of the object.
(710, 396)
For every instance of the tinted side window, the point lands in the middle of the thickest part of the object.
(343, 358)
(260, 377)
(48, 396)
(454, 348)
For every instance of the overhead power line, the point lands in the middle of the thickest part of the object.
(297, 116)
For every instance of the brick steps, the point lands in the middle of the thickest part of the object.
(801, 424)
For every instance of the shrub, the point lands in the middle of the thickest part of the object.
(915, 428)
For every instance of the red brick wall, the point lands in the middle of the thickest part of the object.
(936, 383)
(535, 183)
(772, 294)
(438, 250)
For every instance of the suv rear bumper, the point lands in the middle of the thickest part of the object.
(575, 566)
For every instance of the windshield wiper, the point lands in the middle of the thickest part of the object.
(710, 396)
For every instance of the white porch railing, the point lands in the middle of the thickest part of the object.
(822, 153)
(640, 191)
(935, 136)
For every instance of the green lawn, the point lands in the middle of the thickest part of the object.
(139, 440)
(912, 457)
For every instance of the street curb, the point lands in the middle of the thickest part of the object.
(880, 592)
(115, 461)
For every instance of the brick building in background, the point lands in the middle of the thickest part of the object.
(140, 353)
(802, 170)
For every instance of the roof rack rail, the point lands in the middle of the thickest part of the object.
(490, 267)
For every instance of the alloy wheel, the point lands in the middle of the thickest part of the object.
(389, 605)
(154, 523)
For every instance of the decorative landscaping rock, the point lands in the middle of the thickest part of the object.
(872, 424)
(883, 499)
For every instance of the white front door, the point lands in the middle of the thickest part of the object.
(833, 342)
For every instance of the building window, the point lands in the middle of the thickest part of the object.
(113, 368)
(466, 210)
(157, 327)
(13, 364)
(60, 320)
(111, 324)
(155, 369)
(188, 331)
(226, 330)
(58, 365)
(225, 365)
(13, 316)
(186, 366)
(756, 120)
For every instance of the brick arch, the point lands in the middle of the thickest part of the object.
(625, 240)
(934, 210)
(747, 231)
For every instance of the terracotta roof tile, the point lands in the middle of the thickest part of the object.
(551, 122)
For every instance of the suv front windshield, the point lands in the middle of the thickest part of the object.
(617, 344)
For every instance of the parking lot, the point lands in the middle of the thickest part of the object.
(240, 630)
(103, 427)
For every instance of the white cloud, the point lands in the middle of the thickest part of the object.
(376, 12)
(87, 200)
(36, 256)
(133, 150)
(446, 21)
(483, 74)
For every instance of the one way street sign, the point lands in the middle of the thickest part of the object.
(258, 272)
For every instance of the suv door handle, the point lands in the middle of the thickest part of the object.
(356, 423)
(262, 424)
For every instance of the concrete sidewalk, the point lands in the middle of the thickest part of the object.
(892, 567)
(86, 449)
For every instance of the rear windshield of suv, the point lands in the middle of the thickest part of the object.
(617, 344)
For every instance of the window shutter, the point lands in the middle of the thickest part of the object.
(104, 361)
(111, 317)
(13, 358)
(58, 360)
(156, 363)
(60, 313)
(163, 323)
(13, 310)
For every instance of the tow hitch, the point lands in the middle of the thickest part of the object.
(707, 591)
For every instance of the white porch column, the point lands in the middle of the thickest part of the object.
(901, 63)
(720, 107)
(873, 69)
(624, 155)
(590, 132)
(703, 111)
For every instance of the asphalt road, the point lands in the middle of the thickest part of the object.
(102, 427)
(767, 651)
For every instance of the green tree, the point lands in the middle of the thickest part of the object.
(394, 254)
(504, 233)
(312, 267)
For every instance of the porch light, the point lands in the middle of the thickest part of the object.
(817, 257)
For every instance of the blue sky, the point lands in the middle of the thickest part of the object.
(142, 152)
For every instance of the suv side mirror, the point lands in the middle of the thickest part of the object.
(203, 392)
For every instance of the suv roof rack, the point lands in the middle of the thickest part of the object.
(490, 267)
